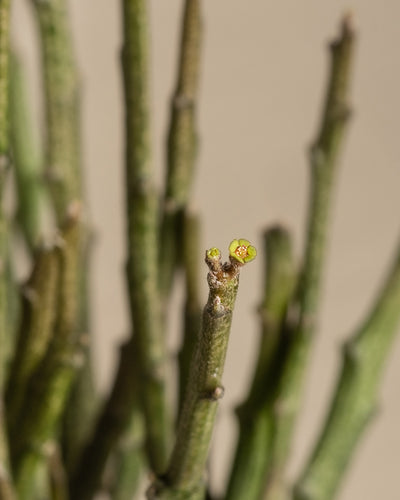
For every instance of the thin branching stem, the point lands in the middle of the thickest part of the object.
(50, 384)
(192, 308)
(354, 400)
(142, 215)
(184, 477)
(111, 424)
(6, 487)
(27, 160)
(324, 157)
(247, 477)
(62, 169)
(182, 141)
(36, 330)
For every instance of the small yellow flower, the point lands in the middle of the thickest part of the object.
(242, 251)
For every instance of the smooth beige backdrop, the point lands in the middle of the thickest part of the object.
(262, 79)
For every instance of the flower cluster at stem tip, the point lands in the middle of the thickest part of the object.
(242, 251)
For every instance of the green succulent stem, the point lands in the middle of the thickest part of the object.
(128, 460)
(63, 172)
(36, 331)
(324, 157)
(192, 307)
(184, 476)
(4, 82)
(4, 164)
(6, 486)
(50, 384)
(111, 424)
(27, 158)
(182, 141)
(354, 400)
(142, 215)
(247, 478)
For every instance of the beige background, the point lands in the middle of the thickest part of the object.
(262, 79)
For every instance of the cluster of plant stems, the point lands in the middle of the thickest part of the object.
(58, 439)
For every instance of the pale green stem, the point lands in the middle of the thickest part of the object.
(323, 161)
(142, 215)
(354, 401)
(182, 141)
(247, 478)
(26, 159)
(62, 105)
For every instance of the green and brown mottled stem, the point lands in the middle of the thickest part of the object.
(354, 400)
(27, 159)
(247, 478)
(36, 330)
(142, 215)
(324, 157)
(184, 476)
(63, 169)
(50, 384)
(182, 141)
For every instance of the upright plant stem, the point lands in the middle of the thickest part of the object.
(113, 421)
(184, 477)
(6, 488)
(62, 105)
(36, 331)
(142, 211)
(192, 307)
(247, 477)
(355, 398)
(64, 175)
(26, 158)
(182, 141)
(4, 163)
(323, 160)
(128, 458)
(50, 384)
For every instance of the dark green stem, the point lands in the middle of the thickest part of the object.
(112, 423)
(354, 400)
(247, 478)
(181, 145)
(50, 384)
(184, 477)
(142, 211)
(58, 486)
